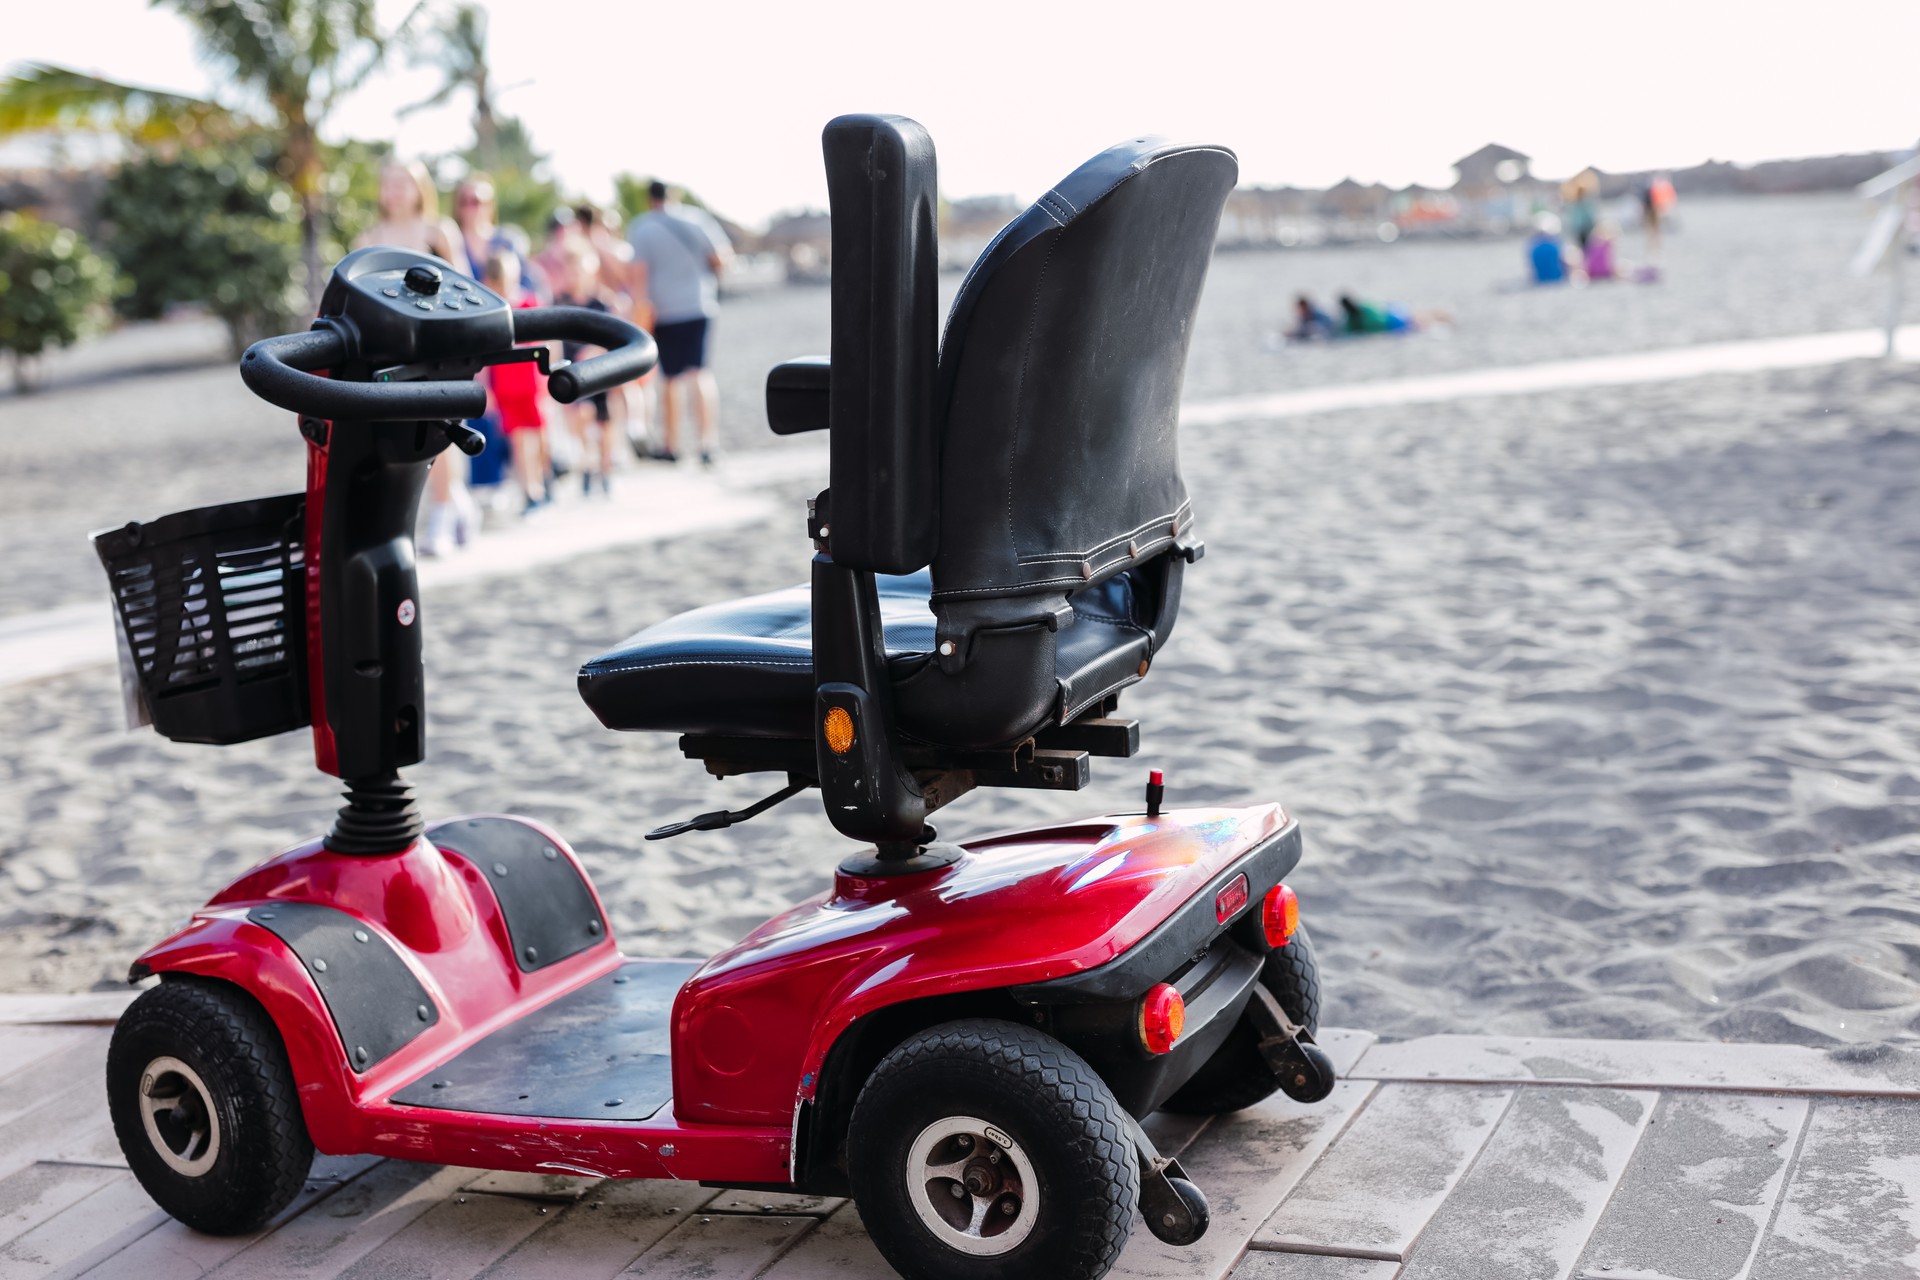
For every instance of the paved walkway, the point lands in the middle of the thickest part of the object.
(1445, 1158)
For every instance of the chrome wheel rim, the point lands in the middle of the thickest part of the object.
(972, 1186)
(177, 1111)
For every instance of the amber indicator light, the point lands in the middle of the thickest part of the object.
(839, 730)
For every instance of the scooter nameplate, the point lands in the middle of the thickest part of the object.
(550, 910)
(377, 1005)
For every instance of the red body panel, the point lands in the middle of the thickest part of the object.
(750, 1029)
(756, 1021)
(325, 756)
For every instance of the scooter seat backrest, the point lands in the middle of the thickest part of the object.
(1057, 395)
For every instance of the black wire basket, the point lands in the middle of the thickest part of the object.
(212, 617)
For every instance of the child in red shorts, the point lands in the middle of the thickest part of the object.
(515, 395)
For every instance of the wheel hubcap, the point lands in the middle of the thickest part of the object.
(177, 1110)
(972, 1186)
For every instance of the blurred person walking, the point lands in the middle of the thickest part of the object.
(410, 219)
(679, 254)
(515, 394)
(482, 236)
(580, 286)
(410, 213)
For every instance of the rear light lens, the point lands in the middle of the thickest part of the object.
(1280, 915)
(1163, 1016)
(1227, 902)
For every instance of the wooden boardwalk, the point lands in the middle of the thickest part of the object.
(1455, 1157)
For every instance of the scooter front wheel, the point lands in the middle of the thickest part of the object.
(985, 1149)
(204, 1106)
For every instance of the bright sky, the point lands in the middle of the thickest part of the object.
(729, 98)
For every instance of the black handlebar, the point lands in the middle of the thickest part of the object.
(630, 351)
(275, 370)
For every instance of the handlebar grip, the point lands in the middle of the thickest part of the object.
(275, 370)
(630, 351)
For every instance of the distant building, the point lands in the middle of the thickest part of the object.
(1494, 188)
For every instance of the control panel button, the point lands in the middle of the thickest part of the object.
(422, 278)
(391, 293)
(423, 304)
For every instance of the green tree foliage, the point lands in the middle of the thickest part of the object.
(207, 226)
(286, 64)
(527, 196)
(53, 288)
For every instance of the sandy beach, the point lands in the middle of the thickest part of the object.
(1598, 707)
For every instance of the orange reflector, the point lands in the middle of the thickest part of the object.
(1163, 1016)
(1280, 915)
(839, 730)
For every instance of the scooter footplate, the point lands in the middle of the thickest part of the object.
(599, 1053)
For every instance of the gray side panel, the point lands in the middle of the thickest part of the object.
(378, 1006)
(599, 1053)
(550, 910)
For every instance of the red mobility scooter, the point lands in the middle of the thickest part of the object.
(962, 1037)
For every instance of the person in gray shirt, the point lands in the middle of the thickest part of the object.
(679, 254)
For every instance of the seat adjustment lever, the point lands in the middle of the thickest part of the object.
(725, 818)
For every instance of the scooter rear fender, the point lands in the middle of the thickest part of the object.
(1019, 908)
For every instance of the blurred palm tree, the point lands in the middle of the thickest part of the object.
(455, 44)
(288, 61)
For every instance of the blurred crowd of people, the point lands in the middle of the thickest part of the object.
(662, 271)
(1582, 243)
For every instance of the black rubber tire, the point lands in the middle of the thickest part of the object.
(1047, 1099)
(1236, 1076)
(228, 1039)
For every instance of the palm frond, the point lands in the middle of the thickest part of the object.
(43, 95)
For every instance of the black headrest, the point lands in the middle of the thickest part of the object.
(1057, 396)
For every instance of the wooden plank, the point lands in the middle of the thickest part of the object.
(1345, 1046)
(1695, 1199)
(1526, 1207)
(605, 1232)
(838, 1249)
(774, 1202)
(39, 1191)
(459, 1237)
(347, 1226)
(1640, 1064)
(556, 1187)
(1308, 1266)
(81, 1062)
(99, 1008)
(1246, 1163)
(1372, 1194)
(720, 1246)
(23, 1047)
(91, 1229)
(171, 1251)
(94, 1144)
(65, 1115)
(1849, 1211)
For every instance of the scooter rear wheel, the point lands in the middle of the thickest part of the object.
(204, 1106)
(1236, 1076)
(986, 1149)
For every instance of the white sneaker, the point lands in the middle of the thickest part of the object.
(440, 528)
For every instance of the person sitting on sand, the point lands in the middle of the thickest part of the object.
(1309, 321)
(1546, 259)
(1601, 261)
